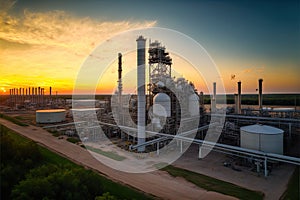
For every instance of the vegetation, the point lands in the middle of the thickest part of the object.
(55, 133)
(293, 188)
(29, 171)
(13, 120)
(212, 184)
(108, 154)
(73, 140)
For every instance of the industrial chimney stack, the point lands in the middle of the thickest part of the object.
(239, 98)
(141, 57)
(120, 76)
(214, 99)
(260, 93)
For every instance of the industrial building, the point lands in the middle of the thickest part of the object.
(169, 110)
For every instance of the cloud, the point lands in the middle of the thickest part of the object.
(60, 29)
(49, 47)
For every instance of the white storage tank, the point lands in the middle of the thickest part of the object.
(162, 105)
(50, 116)
(194, 105)
(262, 138)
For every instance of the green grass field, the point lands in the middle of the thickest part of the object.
(48, 157)
(13, 120)
(212, 184)
(108, 154)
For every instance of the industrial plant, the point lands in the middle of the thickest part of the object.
(168, 110)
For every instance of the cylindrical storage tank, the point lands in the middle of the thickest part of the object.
(50, 116)
(194, 105)
(262, 138)
(162, 105)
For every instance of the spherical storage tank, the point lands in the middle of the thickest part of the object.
(162, 105)
(262, 138)
(50, 116)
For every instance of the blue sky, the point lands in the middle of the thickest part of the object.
(251, 28)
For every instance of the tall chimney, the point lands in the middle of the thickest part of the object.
(39, 95)
(214, 99)
(201, 99)
(239, 98)
(141, 57)
(120, 77)
(14, 93)
(35, 97)
(10, 97)
(50, 91)
(32, 94)
(260, 93)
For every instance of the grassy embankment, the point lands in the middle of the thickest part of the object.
(212, 184)
(48, 157)
(13, 120)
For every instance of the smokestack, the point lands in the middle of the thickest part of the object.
(260, 93)
(50, 91)
(214, 99)
(14, 93)
(35, 97)
(120, 77)
(39, 95)
(201, 98)
(20, 95)
(10, 97)
(239, 98)
(141, 57)
(32, 93)
(215, 90)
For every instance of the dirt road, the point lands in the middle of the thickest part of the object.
(157, 183)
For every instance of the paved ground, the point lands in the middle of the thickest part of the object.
(157, 183)
(212, 165)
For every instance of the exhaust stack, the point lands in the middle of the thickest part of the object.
(141, 53)
(260, 93)
(239, 98)
(214, 99)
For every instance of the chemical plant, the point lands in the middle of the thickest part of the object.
(168, 108)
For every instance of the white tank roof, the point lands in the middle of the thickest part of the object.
(262, 129)
(51, 111)
(160, 97)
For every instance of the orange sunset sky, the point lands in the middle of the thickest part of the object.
(44, 44)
